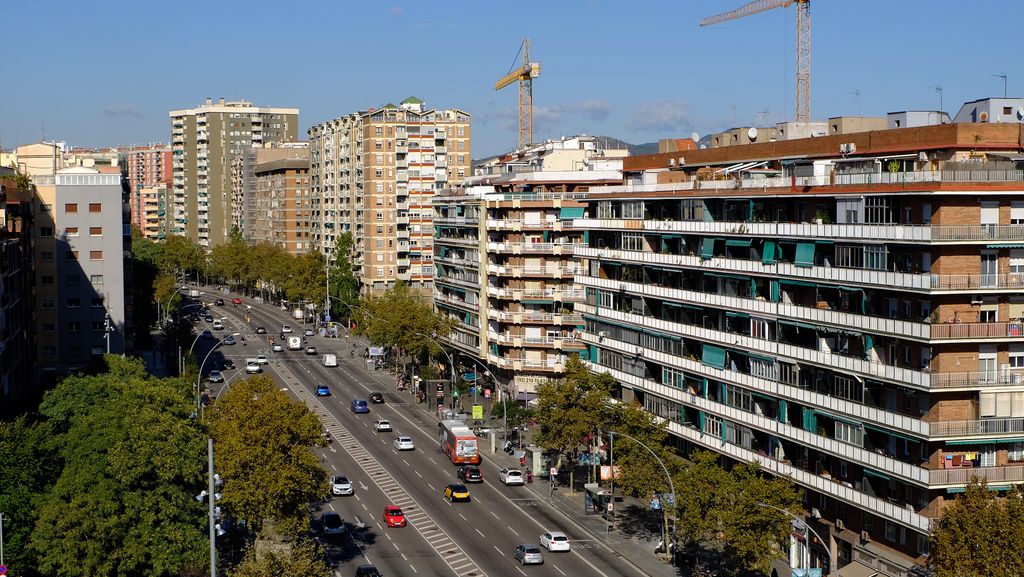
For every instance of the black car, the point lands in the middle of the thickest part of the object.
(469, 475)
(219, 302)
(228, 364)
(377, 398)
(261, 331)
(367, 571)
(208, 318)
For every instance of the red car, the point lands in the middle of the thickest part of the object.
(394, 517)
(236, 301)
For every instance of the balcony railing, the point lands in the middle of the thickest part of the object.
(1012, 426)
(520, 224)
(977, 379)
(963, 475)
(977, 330)
(977, 281)
(978, 232)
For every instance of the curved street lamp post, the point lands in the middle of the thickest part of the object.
(831, 561)
(199, 378)
(664, 509)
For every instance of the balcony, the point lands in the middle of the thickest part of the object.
(977, 282)
(977, 232)
(519, 224)
(879, 232)
(557, 271)
(524, 364)
(974, 331)
(402, 176)
(456, 220)
(977, 427)
(535, 247)
(963, 475)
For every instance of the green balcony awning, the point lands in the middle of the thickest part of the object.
(571, 212)
(796, 282)
(872, 473)
(713, 356)
(798, 324)
(737, 315)
(707, 248)
(986, 441)
(768, 252)
(740, 242)
(804, 254)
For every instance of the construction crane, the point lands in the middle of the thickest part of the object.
(524, 75)
(803, 44)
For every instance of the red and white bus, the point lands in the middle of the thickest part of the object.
(458, 442)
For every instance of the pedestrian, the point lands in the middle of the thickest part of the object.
(529, 476)
(522, 460)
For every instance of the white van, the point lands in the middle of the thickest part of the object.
(294, 343)
(330, 360)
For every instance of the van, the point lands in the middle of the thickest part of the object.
(298, 314)
(330, 360)
(294, 343)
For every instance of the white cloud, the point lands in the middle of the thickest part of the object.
(664, 116)
(396, 11)
(122, 110)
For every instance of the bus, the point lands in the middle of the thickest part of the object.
(458, 442)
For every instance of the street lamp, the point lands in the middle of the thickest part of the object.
(451, 362)
(199, 378)
(167, 307)
(671, 485)
(828, 549)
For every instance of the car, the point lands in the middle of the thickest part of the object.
(341, 485)
(229, 340)
(228, 364)
(323, 391)
(332, 523)
(261, 331)
(208, 318)
(207, 335)
(404, 444)
(511, 476)
(286, 329)
(277, 348)
(236, 301)
(382, 425)
(262, 359)
(377, 398)
(219, 302)
(252, 368)
(218, 325)
(528, 554)
(469, 474)
(309, 333)
(310, 350)
(555, 541)
(359, 406)
(394, 517)
(215, 377)
(367, 571)
(455, 492)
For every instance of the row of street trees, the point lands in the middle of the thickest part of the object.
(103, 479)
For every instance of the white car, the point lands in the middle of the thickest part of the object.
(555, 541)
(253, 368)
(286, 328)
(277, 348)
(341, 485)
(382, 425)
(262, 359)
(404, 444)
(511, 476)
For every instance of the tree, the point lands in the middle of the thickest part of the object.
(179, 254)
(344, 284)
(977, 535)
(29, 468)
(263, 449)
(301, 558)
(639, 474)
(517, 414)
(572, 408)
(404, 319)
(131, 460)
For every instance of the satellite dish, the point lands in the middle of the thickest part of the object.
(752, 133)
(696, 137)
(1020, 114)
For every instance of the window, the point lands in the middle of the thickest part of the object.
(95, 207)
(95, 231)
(739, 398)
(46, 279)
(45, 231)
(46, 304)
(98, 326)
(877, 210)
(378, 130)
(849, 256)
(46, 255)
(632, 242)
(605, 209)
(890, 531)
(875, 257)
(380, 187)
(848, 388)
(74, 326)
(692, 209)
(71, 231)
(849, 433)
(1017, 261)
(380, 271)
(380, 229)
(95, 255)
(71, 207)
(74, 303)
(379, 216)
(634, 210)
(96, 303)
(379, 173)
(96, 279)
(922, 545)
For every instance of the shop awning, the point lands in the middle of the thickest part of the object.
(804, 254)
(856, 569)
(571, 212)
(713, 356)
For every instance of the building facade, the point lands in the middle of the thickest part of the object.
(504, 263)
(16, 294)
(243, 179)
(204, 140)
(845, 311)
(282, 205)
(374, 174)
(150, 212)
(148, 168)
(81, 237)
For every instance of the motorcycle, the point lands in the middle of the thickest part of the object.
(507, 447)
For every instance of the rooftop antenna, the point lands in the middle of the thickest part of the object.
(856, 94)
(938, 89)
(763, 114)
(732, 109)
(1003, 76)
(42, 130)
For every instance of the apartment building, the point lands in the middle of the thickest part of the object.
(148, 171)
(374, 174)
(243, 179)
(150, 211)
(282, 205)
(845, 311)
(203, 142)
(16, 331)
(80, 239)
(503, 257)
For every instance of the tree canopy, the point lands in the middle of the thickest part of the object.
(980, 535)
(571, 409)
(402, 318)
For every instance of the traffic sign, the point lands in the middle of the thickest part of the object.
(455, 393)
(3, 569)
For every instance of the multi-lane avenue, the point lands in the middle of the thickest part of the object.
(466, 539)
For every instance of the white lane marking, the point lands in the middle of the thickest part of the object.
(404, 558)
(406, 463)
(495, 516)
(331, 505)
(500, 552)
(364, 507)
(418, 474)
(431, 487)
(513, 530)
(559, 570)
(521, 571)
(413, 568)
(481, 534)
(463, 517)
(432, 460)
(389, 537)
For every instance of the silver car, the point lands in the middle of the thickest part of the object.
(528, 554)
(341, 485)
(404, 444)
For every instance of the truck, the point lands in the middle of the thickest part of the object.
(458, 442)
(298, 315)
(194, 293)
(330, 360)
(294, 343)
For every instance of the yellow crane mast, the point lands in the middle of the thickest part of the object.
(524, 75)
(803, 44)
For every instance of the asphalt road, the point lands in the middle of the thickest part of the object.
(461, 539)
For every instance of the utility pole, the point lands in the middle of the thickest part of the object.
(611, 470)
(2, 519)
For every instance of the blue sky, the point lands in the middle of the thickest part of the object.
(100, 74)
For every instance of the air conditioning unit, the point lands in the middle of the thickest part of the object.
(840, 525)
(847, 148)
(815, 513)
(865, 536)
(976, 299)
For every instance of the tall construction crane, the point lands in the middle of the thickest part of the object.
(803, 44)
(524, 75)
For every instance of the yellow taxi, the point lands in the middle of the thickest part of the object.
(455, 492)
